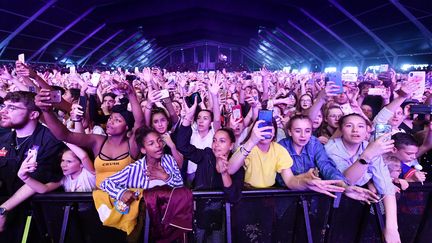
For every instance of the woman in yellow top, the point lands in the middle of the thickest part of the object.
(112, 152)
(262, 158)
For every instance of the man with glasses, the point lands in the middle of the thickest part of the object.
(20, 114)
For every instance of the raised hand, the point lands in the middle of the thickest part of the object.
(167, 139)
(154, 96)
(42, 100)
(28, 166)
(214, 86)
(259, 133)
(378, 147)
(4, 73)
(76, 113)
(222, 164)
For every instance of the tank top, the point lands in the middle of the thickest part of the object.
(106, 166)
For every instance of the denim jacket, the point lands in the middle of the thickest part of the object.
(313, 155)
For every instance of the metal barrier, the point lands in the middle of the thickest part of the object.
(324, 219)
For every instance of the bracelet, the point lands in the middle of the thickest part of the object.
(77, 120)
(243, 151)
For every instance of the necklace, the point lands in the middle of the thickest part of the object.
(18, 146)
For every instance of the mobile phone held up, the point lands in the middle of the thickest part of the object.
(55, 96)
(164, 93)
(381, 129)
(190, 99)
(267, 117)
(83, 103)
(236, 112)
(21, 57)
(336, 77)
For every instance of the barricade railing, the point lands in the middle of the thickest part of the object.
(299, 216)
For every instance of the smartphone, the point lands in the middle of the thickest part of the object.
(165, 94)
(376, 91)
(83, 103)
(55, 96)
(130, 78)
(421, 109)
(346, 109)
(190, 99)
(267, 117)
(33, 151)
(419, 77)
(237, 114)
(381, 129)
(72, 69)
(336, 77)
(383, 68)
(136, 70)
(95, 78)
(21, 57)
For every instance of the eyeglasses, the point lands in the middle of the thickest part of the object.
(11, 108)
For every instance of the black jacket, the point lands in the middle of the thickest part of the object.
(206, 175)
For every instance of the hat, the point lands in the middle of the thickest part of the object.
(127, 115)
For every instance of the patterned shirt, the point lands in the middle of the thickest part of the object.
(134, 176)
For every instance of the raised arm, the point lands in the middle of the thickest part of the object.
(28, 166)
(374, 149)
(213, 88)
(89, 141)
(329, 91)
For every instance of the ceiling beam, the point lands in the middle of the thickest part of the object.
(58, 35)
(99, 47)
(137, 50)
(29, 20)
(335, 57)
(332, 33)
(378, 40)
(68, 53)
(425, 31)
(132, 45)
(283, 52)
(117, 47)
(274, 37)
(299, 44)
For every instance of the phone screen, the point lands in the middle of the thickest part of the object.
(164, 93)
(21, 58)
(190, 99)
(236, 111)
(267, 117)
(95, 77)
(55, 96)
(337, 79)
(83, 103)
(420, 78)
(381, 129)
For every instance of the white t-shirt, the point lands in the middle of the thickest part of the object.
(200, 143)
(85, 182)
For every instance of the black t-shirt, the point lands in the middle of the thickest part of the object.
(48, 158)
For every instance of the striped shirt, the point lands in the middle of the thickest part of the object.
(134, 176)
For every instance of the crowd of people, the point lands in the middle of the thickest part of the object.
(126, 134)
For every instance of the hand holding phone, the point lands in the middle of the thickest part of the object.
(267, 117)
(21, 58)
(55, 96)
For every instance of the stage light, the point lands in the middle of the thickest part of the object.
(330, 69)
(304, 70)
